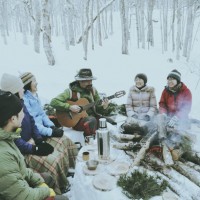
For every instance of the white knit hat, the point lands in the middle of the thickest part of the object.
(11, 83)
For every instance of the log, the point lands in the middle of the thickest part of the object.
(167, 157)
(177, 178)
(189, 172)
(192, 165)
(145, 143)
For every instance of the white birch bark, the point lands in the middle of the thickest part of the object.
(124, 26)
(142, 23)
(2, 21)
(64, 23)
(23, 18)
(111, 19)
(37, 30)
(178, 34)
(137, 23)
(85, 36)
(165, 24)
(47, 33)
(92, 27)
(150, 38)
(70, 14)
(99, 23)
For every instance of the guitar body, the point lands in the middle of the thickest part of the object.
(67, 120)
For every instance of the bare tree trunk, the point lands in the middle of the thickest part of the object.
(173, 21)
(150, 38)
(92, 27)
(165, 24)
(194, 8)
(70, 14)
(142, 23)
(124, 26)
(92, 22)
(23, 22)
(64, 24)
(2, 20)
(85, 36)
(37, 26)
(111, 19)
(137, 23)
(47, 32)
(178, 35)
(99, 24)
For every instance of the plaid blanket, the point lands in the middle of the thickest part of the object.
(57, 163)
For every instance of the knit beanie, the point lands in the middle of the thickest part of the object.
(10, 105)
(27, 77)
(142, 76)
(175, 74)
(11, 83)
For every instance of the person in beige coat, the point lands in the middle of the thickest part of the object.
(141, 102)
(141, 106)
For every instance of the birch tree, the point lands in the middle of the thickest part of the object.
(150, 7)
(124, 26)
(47, 33)
(99, 24)
(2, 20)
(85, 36)
(178, 35)
(37, 30)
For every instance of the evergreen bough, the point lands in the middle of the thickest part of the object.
(141, 185)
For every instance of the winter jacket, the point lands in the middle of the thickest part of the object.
(178, 103)
(29, 130)
(17, 181)
(59, 102)
(34, 107)
(141, 102)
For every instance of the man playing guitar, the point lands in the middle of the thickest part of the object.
(69, 104)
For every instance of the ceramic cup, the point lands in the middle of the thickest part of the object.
(86, 155)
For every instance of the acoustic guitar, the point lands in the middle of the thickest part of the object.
(70, 119)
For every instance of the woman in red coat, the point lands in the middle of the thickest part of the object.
(174, 108)
(176, 101)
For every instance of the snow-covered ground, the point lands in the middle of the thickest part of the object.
(113, 70)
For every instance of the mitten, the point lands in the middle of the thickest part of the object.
(135, 116)
(39, 140)
(42, 149)
(52, 193)
(57, 132)
(146, 117)
(43, 185)
(173, 121)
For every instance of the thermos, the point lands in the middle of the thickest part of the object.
(103, 140)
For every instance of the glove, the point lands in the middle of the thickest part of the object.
(39, 141)
(135, 116)
(146, 118)
(57, 132)
(173, 121)
(52, 193)
(42, 149)
(43, 185)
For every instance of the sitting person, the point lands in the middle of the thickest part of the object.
(81, 88)
(174, 107)
(141, 106)
(59, 153)
(17, 181)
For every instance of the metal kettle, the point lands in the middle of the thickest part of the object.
(103, 140)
